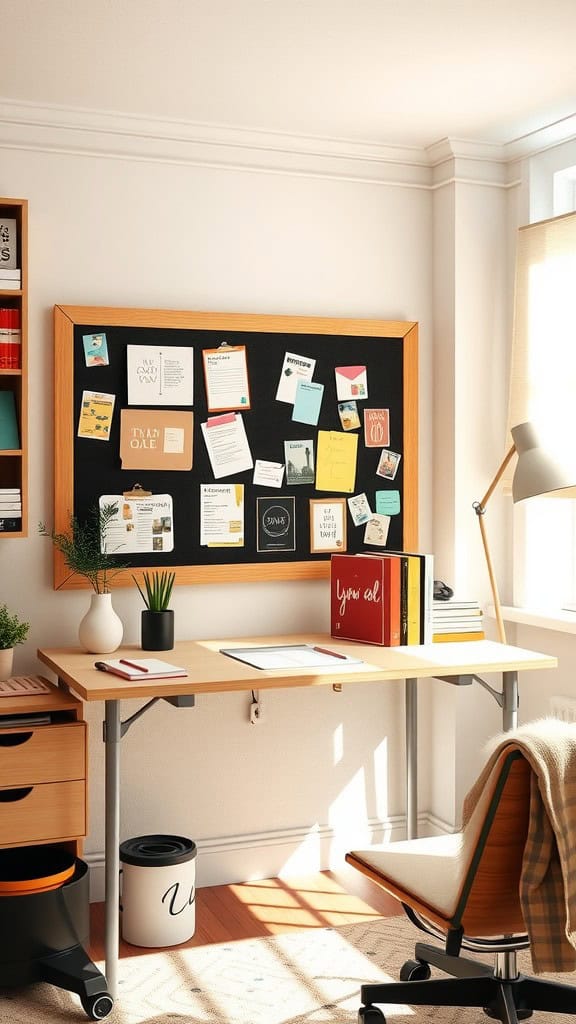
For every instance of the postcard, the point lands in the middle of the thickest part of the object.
(299, 457)
(226, 377)
(376, 428)
(328, 524)
(336, 465)
(227, 444)
(268, 474)
(95, 349)
(294, 368)
(275, 524)
(156, 439)
(96, 415)
(307, 402)
(388, 464)
(376, 531)
(159, 375)
(348, 413)
(388, 502)
(222, 515)
(359, 509)
(140, 524)
(351, 382)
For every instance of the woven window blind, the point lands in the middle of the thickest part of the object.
(543, 358)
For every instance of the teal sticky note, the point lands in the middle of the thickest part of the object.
(388, 502)
(307, 402)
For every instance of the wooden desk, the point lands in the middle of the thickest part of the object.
(212, 672)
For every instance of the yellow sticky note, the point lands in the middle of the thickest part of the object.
(336, 461)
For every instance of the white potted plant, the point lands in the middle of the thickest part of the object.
(12, 632)
(84, 551)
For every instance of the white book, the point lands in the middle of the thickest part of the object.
(6, 286)
(140, 668)
(12, 274)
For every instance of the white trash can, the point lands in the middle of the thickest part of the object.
(158, 890)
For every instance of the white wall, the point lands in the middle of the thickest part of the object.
(129, 231)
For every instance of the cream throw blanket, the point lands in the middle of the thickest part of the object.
(548, 880)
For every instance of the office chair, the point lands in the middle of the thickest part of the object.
(464, 889)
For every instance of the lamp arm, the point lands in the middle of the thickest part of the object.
(480, 508)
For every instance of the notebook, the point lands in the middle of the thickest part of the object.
(140, 668)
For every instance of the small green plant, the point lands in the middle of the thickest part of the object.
(84, 547)
(12, 631)
(158, 586)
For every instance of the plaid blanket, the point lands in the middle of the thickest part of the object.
(548, 879)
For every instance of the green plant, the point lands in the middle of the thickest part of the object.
(158, 589)
(12, 631)
(84, 549)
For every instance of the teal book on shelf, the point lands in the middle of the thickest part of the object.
(9, 437)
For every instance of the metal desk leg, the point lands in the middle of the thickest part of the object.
(510, 700)
(112, 736)
(411, 690)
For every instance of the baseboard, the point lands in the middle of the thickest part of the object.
(287, 852)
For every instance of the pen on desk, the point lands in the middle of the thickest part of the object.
(333, 654)
(132, 664)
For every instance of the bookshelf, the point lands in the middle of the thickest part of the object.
(14, 378)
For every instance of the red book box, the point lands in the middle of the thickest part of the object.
(365, 598)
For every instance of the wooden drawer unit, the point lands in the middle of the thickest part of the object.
(46, 753)
(39, 814)
(42, 770)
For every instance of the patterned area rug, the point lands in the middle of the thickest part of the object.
(308, 977)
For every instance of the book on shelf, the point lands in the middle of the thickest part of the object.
(10, 338)
(9, 437)
(12, 508)
(10, 492)
(454, 605)
(12, 274)
(423, 616)
(459, 627)
(9, 286)
(10, 524)
(8, 243)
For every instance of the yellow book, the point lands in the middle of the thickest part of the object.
(442, 638)
(413, 599)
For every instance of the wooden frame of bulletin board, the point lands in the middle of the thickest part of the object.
(86, 468)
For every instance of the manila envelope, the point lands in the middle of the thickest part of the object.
(351, 382)
(156, 439)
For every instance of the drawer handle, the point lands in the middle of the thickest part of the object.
(11, 796)
(14, 739)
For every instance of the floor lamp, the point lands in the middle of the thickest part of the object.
(537, 472)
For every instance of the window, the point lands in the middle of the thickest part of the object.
(543, 390)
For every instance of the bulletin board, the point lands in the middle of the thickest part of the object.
(87, 468)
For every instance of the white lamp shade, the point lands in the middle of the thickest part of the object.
(537, 471)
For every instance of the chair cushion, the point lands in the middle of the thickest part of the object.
(432, 869)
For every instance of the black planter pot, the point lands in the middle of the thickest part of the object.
(157, 630)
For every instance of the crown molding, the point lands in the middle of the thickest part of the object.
(82, 132)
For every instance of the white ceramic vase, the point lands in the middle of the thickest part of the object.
(101, 630)
(6, 662)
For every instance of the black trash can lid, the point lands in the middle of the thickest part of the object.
(157, 851)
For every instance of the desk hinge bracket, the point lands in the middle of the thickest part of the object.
(497, 694)
(463, 680)
(185, 700)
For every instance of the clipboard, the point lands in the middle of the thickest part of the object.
(218, 398)
(137, 492)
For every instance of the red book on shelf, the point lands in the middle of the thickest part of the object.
(365, 598)
(14, 341)
(5, 330)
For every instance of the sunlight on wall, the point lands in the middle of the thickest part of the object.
(338, 743)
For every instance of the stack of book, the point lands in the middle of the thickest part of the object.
(10, 509)
(456, 620)
(10, 279)
(382, 598)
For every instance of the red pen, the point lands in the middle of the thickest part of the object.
(333, 654)
(131, 664)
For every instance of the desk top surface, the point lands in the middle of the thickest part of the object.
(209, 671)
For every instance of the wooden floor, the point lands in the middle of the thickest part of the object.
(228, 912)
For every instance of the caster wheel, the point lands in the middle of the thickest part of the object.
(414, 970)
(370, 1015)
(97, 1007)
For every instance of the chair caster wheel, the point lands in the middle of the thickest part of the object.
(98, 1006)
(521, 1014)
(414, 970)
(370, 1015)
